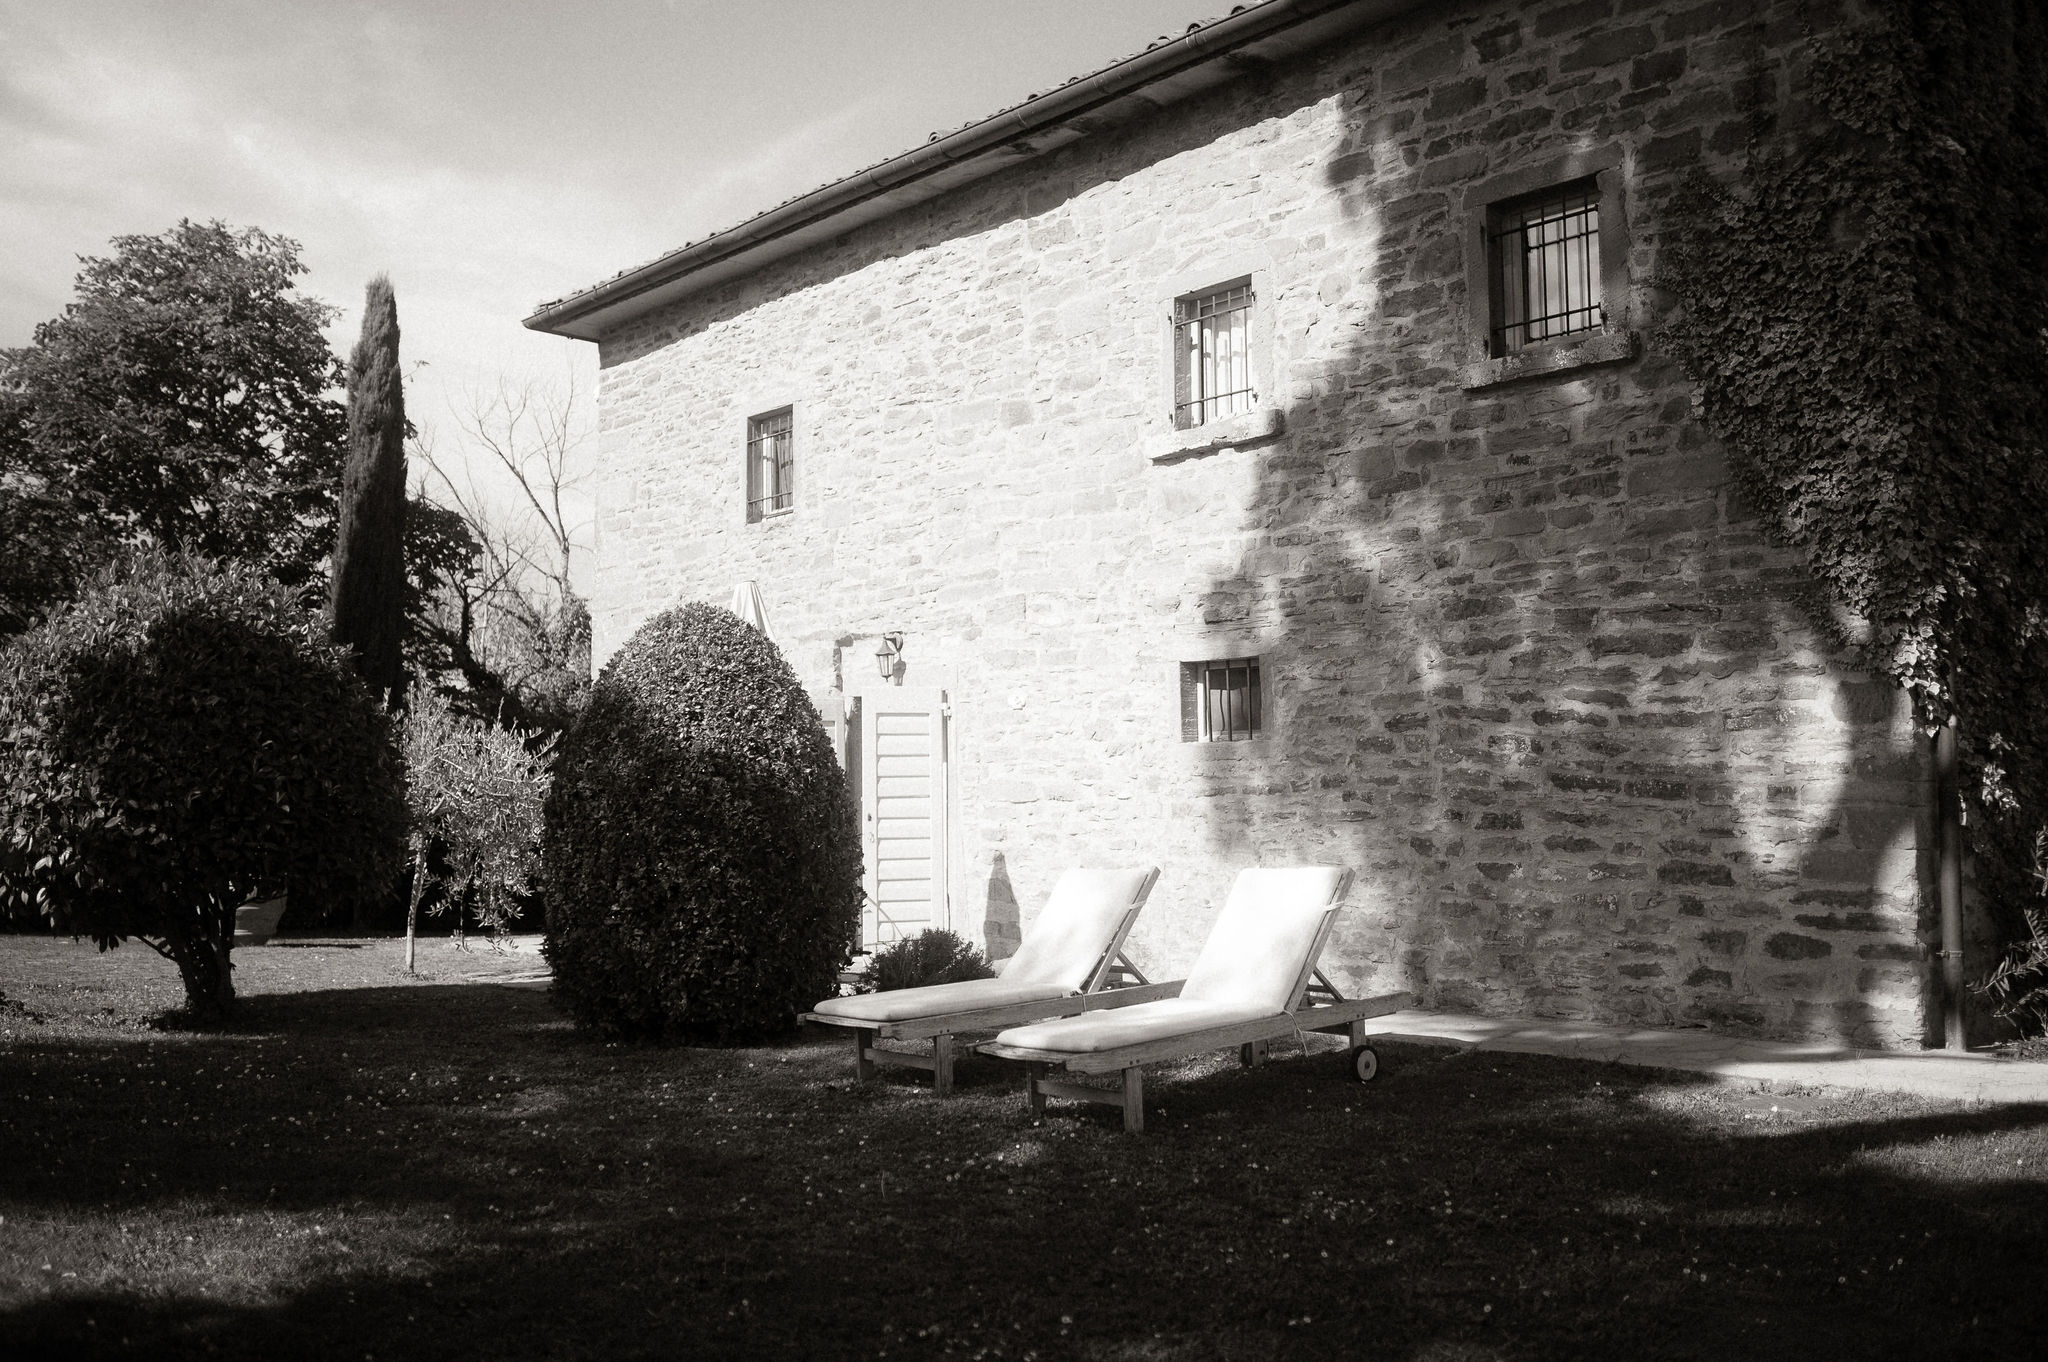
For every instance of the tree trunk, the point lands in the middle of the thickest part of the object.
(208, 974)
(412, 907)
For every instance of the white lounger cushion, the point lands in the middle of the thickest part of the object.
(937, 1000)
(1079, 922)
(1258, 951)
(1094, 1032)
(1076, 926)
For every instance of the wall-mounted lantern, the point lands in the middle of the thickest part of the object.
(886, 655)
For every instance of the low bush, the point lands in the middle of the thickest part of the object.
(933, 956)
(701, 859)
(2018, 983)
(178, 738)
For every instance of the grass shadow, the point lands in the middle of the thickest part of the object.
(428, 1170)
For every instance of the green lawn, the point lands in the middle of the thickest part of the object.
(378, 1168)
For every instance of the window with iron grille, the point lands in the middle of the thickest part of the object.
(1545, 253)
(1212, 367)
(771, 463)
(1220, 701)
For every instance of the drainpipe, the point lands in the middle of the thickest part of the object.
(1949, 881)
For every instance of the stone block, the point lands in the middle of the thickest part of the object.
(1452, 98)
(1422, 66)
(1658, 68)
(1727, 1014)
(1496, 43)
(1791, 946)
(1728, 943)
(1609, 49)
(1570, 18)
(1697, 21)
(1644, 644)
(1570, 844)
(1694, 872)
(1841, 922)
(1690, 472)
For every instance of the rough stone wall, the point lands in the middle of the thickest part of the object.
(1528, 664)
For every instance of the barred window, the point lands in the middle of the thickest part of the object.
(1220, 700)
(1212, 369)
(771, 463)
(1546, 267)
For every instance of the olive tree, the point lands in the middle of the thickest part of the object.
(473, 794)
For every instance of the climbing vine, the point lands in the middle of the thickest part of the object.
(1863, 311)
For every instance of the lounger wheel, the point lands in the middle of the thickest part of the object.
(1246, 1056)
(1365, 1064)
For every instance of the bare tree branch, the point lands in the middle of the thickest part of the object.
(515, 630)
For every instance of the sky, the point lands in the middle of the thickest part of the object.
(487, 156)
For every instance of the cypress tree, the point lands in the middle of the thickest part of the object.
(366, 610)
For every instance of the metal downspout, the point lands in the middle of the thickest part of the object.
(1949, 882)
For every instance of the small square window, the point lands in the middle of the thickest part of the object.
(1212, 364)
(1220, 700)
(771, 463)
(1544, 256)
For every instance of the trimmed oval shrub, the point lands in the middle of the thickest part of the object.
(701, 857)
(178, 738)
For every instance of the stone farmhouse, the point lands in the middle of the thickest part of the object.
(1259, 452)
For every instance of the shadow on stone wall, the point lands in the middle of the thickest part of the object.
(1532, 669)
(1002, 922)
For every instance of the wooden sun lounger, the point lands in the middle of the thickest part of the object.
(940, 1031)
(1315, 1004)
(1338, 1016)
(1111, 981)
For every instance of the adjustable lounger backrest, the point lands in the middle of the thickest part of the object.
(1265, 941)
(1088, 915)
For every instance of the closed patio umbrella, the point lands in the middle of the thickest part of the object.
(746, 603)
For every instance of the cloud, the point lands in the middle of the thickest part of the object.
(489, 160)
(99, 143)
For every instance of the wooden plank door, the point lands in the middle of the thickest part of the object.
(903, 812)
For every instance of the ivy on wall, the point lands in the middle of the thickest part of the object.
(1863, 312)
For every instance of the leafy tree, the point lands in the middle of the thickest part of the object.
(473, 796)
(179, 738)
(183, 399)
(442, 560)
(46, 547)
(368, 593)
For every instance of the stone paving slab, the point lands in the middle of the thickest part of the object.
(1965, 1077)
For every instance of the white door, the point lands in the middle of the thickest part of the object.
(903, 812)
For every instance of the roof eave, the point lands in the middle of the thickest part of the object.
(1199, 60)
